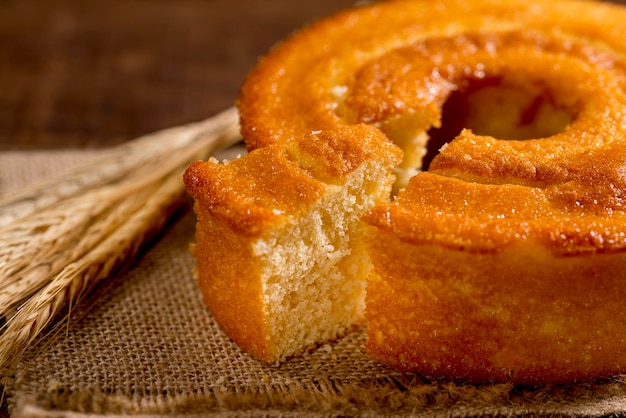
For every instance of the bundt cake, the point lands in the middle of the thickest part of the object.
(453, 172)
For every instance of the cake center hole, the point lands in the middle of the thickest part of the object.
(491, 107)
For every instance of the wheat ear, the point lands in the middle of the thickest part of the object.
(59, 239)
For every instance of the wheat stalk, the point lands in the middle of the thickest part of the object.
(61, 238)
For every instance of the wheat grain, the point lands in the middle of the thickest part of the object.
(111, 166)
(61, 238)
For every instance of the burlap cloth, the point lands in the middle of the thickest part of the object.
(147, 346)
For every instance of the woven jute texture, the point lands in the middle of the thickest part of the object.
(147, 346)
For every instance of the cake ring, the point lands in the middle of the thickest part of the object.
(451, 172)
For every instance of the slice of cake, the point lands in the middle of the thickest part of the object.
(278, 255)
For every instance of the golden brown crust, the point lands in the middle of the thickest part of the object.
(251, 193)
(518, 315)
(257, 192)
(290, 91)
(580, 215)
(227, 284)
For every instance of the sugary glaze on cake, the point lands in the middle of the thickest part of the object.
(504, 260)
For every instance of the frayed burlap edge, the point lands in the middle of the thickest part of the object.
(384, 397)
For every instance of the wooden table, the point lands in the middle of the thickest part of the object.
(88, 74)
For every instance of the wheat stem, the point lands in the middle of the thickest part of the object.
(110, 166)
(61, 238)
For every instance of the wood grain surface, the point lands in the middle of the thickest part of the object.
(89, 74)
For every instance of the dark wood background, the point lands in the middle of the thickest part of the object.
(88, 73)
